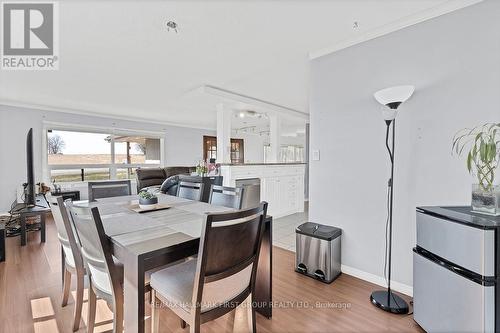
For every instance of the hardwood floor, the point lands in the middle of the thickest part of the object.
(30, 297)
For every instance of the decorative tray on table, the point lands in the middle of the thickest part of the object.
(154, 208)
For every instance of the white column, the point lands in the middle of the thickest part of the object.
(223, 134)
(112, 169)
(274, 137)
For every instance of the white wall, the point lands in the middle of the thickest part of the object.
(253, 147)
(183, 146)
(299, 140)
(454, 63)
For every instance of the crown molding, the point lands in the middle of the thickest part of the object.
(237, 97)
(444, 8)
(90, 113)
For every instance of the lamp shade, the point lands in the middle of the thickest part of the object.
(394, 96)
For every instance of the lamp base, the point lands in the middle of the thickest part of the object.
(389, 301)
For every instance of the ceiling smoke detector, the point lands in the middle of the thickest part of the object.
(171, 25)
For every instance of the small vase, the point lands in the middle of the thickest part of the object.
(148, 203)
(486, 201)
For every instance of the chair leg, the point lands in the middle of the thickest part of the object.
(195, 328)
(66, 287)
(118, 314)
(244, 316)
(92, 308)
(155, 319)
(252, 310)
(195, 325)
(78, 301)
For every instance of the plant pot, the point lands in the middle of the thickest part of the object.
(486, 201)
(148, 203)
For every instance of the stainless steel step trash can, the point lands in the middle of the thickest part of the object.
(318, 251)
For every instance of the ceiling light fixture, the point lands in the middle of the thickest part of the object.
(172, 25)
(250, 114)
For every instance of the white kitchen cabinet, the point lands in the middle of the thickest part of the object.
(271, 192)
(282, 185)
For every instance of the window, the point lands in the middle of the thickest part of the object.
(237, 149)
(237, 153)
(81, 156)
(209, 147)
(290, 154)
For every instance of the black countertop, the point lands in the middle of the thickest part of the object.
(463, 215)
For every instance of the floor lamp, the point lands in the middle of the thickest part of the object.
(391, 98)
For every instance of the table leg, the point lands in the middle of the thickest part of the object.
(2, 243)
(42, 227)
(133, 284)
(263, 282)
(23, 229)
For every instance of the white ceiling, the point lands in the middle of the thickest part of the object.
(116, 57)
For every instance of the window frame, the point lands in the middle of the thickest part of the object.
(239, 142)
(208, 138)
(113, 166)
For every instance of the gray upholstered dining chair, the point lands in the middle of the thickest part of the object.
(221, 278)
(105, 274)
(72, 258)
(231, 197)
(191, 191)
(109, 188)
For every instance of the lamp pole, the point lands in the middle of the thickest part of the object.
(391, 195)
(391, 98)
(387, 300)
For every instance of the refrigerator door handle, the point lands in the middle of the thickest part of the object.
(486, 281)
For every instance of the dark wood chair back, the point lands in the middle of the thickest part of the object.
(107, 189)
(227, 259)
(191, 191)
(95, 249)
(226, 196)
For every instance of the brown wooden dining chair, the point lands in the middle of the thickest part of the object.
(191, 191)
(72, 258)
(221, 278)
(105, 274)
(231, 197)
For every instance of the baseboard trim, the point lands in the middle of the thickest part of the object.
(378, 280)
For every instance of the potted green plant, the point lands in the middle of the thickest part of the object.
(481, 144)
(147, 200)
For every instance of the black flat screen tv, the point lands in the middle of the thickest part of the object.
(29, 197)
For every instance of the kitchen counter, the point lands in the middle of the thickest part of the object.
(277, 163)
